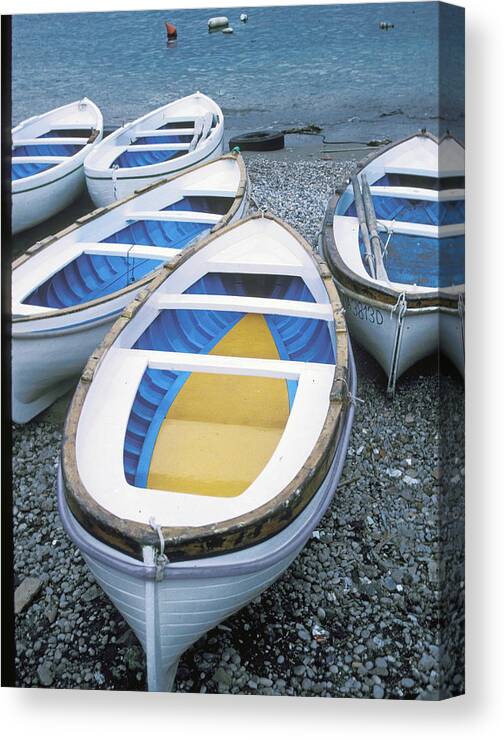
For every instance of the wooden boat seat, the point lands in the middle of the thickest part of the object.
(74, 129)
(424, 181)
(145, 251)
(38, 159)
(421, 230)
(51, 141)
(191, 216)
(171, 146)
(417, 193)
(246, 304)
(203, 192)
(434, 173)
(142, 155)
(148, 133)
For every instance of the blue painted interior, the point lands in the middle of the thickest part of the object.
(94, 276)
(154, 392)
(21, 170)
(433, 263)
(83, 133)
(164, 139)
(286, 287)
(27, 169)
(172, 234)
(88, 277)
(416, 211)
(300, 339)
(202, 204)
(188, 330)
(419, 260)
(176, 124)
(140, 159)
(147, 157)
(46, 150)
(421, 181)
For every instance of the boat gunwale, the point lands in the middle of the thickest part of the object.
(182, 543)
(97, 212)
(366, 287)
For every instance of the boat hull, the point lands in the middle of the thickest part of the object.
(451, 337)
(184, 610)
(62, 348)
(105, 190)
(377, 327)
(170, 615)
(36, 204)
(39, 196)
(415, 307)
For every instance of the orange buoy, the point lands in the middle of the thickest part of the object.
(171, 30)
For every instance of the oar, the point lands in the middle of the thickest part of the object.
(376, 245)
(361, 215)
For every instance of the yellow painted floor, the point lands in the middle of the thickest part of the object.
(221, 430)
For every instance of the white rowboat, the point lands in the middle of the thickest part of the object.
(416, 307)
(68, 290)
(162, 143)
(48, 153)
(208, 433)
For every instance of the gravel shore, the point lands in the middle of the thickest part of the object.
(372, 607)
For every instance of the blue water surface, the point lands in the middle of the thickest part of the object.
(287, 66)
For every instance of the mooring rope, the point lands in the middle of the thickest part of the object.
(350, 396)
(400, 305)
(390, 232)
(157, 528)
(161, 558)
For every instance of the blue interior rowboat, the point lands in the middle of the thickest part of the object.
(74, 285)
(207, 435)
(404, 288)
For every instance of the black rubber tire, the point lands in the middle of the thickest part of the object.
(258, 141)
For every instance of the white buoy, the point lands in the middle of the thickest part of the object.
(227, 30)
(219, 22)
(244, 17)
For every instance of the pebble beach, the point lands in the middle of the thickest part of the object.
(373, 605)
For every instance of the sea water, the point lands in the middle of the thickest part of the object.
(288, 66)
